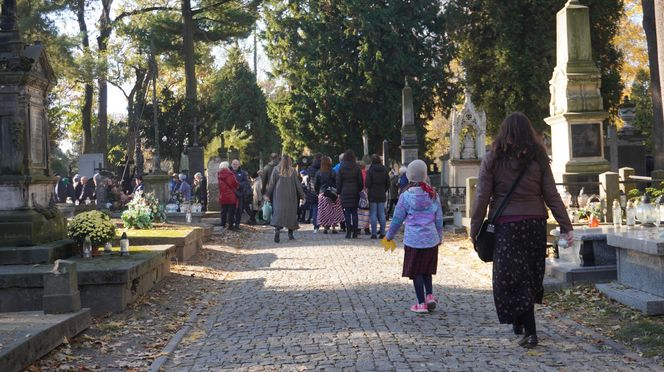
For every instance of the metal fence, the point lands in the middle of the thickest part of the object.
(452, 198)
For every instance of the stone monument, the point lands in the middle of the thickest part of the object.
(26, 185)
(576, 106)
(213, 184)
(466, 152)
(409, 145)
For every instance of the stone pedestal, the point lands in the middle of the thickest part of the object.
(609, 192)
(213, 184)
(576, 106)
(460, 170)
(61, 293)
(26, 185)
(409, 144)
(158, 183)
(196, 162)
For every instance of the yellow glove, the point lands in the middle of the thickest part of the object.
(388, 245)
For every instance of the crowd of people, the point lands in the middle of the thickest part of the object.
(110, 193)
(352, 196)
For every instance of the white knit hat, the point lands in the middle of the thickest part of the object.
(417, 171)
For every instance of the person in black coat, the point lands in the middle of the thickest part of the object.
(378, 183)
(349, 186)
(60, 191)
(311, 196)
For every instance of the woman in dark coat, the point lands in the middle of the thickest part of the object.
(349, 185)
(520, 231)
(378, 183)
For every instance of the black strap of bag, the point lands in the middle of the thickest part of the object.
(503, 204)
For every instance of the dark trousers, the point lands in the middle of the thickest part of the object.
(390, 207)
(423, 284)
(350, 215)
(227, 213)
(243, 206)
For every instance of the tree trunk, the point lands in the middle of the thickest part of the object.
(102, 109)
(189, 66)
(655, 35)
(86, 110)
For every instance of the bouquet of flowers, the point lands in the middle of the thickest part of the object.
(142, 211)
(95, 224)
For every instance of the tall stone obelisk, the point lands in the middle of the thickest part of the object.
(409, 145)
(26, 185)
(576, 107)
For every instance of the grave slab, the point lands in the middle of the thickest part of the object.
(107, 283)
(646, 302)
(27, 336)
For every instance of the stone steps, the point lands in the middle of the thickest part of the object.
(27, 336)
(40, 254)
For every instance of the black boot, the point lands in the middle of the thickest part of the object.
(276, 236)
(517, 328)
(290, 235)
(528, 341)
(355, 234)
(348, 234)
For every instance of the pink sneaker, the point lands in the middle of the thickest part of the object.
(419, 308)
(431, 301)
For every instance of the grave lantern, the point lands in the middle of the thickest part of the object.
(646, 212)
(124, 245)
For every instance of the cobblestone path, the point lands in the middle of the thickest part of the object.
(324, 302)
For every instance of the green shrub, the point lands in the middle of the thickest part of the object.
(95, 224)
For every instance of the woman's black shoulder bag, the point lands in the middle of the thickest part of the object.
(485, 239)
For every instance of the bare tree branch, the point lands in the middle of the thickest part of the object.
(140, 11)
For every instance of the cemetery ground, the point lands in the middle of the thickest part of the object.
(326, 302)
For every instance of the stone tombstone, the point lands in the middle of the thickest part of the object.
(467, 151)
(26, 184)
(213, 184)
(409, 144)
(89, 164)
(576, 106)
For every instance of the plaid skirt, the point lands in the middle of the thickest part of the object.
(419, 261)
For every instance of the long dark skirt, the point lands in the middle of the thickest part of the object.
(518, 267)
(419, 261)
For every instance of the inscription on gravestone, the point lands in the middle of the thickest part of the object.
(37, 136)
(586, 140)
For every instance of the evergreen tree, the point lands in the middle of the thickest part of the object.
(345, 62)
(642, 98)
(238, 102)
